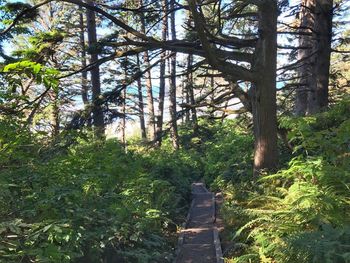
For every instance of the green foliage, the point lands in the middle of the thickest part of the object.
(301, 213)
(327, 245)
(41, 45)
(13, 98)
(43, 75)
(227, 155)
(92, 203)
(18, 7)
(9, 11)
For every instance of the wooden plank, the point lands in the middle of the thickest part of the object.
(217, 245)
(199, 240)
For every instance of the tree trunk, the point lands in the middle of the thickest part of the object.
(190, 94)
(212, 98)
(304, 56)
(84, 78)
(162, 76)
(123, 101)
(124, 116)
(185, 117)
(264, 89)
(140, 104)
(84, 74)
(97, 112)
(172, 86)
(55, 113)
(186, 100)
(318, 96)
(150, 102)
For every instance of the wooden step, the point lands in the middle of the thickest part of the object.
(197, 253)
(198, 235)
(201, 217)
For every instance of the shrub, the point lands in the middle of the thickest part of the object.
(92, 203)
(301, 213)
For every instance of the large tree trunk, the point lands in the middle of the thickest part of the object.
(151, 126)
(97, 112)
(304, 56)
(318, 96)
(264, 89)
(172, 88)
(140, 104)
(162, 76)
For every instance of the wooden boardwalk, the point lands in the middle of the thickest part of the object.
(199, 240)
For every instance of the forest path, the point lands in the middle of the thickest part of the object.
(199, 240)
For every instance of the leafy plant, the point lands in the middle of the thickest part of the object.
(94, 202)
(301, 213)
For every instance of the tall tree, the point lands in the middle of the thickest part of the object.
(263, 95)
(172, 86)
(55, 116)
(140, 103)
(123, 119)
(162, 76)
(150, 101)
(84, 77)
(318, 96)
(304, 56)
(314, 55)
(97, 112)
(190, 94)
(263, 77)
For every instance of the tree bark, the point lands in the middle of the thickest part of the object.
(264, 89)
(185, 118)
(162, 76)
(318, 96)
(140, 104)
(55, 113)
(304, 56)
(186, 99)
(190, 95)
(84, 74)
(172, 86)
(123, 128)
(84, 77)
(98, 118)
(151, 126)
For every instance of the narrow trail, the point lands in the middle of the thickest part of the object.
(199, 240)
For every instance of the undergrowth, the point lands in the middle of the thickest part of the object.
(301, 213)
(90, 202)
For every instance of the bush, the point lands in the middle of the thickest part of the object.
(228, 155)
(92, 203)
(301, 213)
